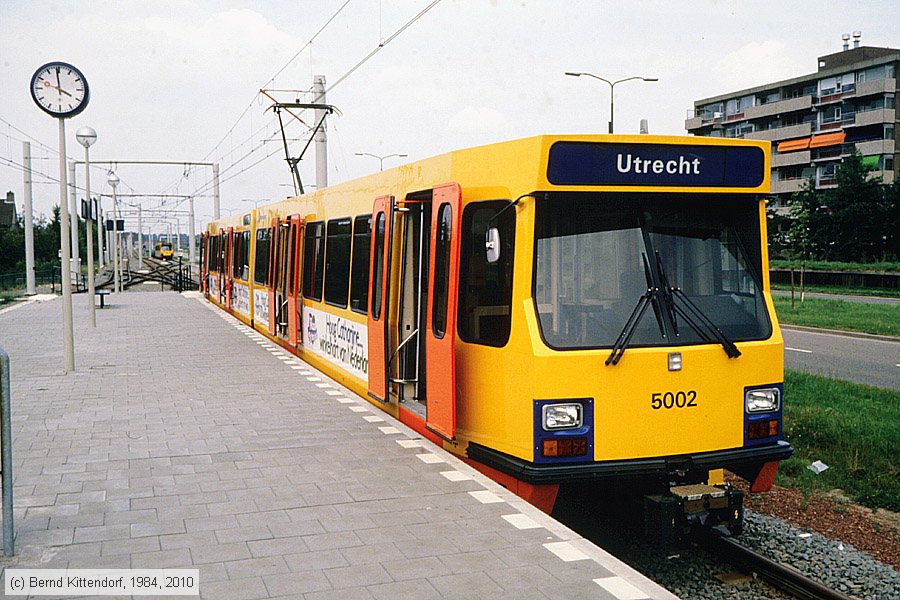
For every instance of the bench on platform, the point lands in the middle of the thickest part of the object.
(103, 294)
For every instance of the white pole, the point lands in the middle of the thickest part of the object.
(100, 229)
(178, 235)
(90, 237)
(29, 222)
(115, 237)
(216, 191)
(68, 333)
(76, 258)
(192, 243)
(321, 138)
(140, 239)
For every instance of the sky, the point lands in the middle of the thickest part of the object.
(179, 80)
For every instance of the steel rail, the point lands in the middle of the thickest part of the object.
(783, 577)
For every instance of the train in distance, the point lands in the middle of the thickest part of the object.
(565, 321)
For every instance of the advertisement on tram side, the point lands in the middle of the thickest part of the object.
(261, 307)
(241, 299)
(337, 340)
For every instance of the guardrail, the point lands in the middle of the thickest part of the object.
(9, 548)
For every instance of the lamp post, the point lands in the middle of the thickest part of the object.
(113, 181)
(612, 85)
(86, 136)
(380, 158)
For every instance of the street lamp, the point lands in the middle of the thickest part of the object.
(380, 158)
(86, 136)
(612, 84)
(113, 181)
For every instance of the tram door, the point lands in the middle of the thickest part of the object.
(280, 277)
(221, 266)
(271, 277)
(227, 274)
(412, 304)
(293, 302)
(440, 326)
(204, 261)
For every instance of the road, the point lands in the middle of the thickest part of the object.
(844, 297)
(862, 360)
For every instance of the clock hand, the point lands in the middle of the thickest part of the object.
(59, 89)
(58, 84)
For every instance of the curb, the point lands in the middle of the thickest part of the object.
(853, 334)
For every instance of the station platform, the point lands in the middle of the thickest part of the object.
(186, 440)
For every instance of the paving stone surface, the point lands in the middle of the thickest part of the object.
(183, 441)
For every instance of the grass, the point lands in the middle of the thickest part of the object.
(854, 429)
(880, 319)
(7, 297)
(824, 265)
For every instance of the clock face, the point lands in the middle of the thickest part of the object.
(60, 89)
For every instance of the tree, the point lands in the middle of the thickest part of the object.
(855, 222)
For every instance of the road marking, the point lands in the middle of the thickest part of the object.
(798, 350)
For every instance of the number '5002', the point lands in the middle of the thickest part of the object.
(686, 399)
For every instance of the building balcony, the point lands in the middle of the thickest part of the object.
(872, 117)
(782, 107)
(788, 186)
(875, 147)
(782, 133)
(791, 158)
(879, 86)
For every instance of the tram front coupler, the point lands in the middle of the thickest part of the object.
(673, 515)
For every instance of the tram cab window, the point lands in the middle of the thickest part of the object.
(485, 289)
(594, 255)
(313, 260)
(359, 272)
(338, 236)
(261, 267)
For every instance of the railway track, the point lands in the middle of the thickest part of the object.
(780, 576)
(171, 273)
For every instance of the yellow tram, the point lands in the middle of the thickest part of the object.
(556, 310)
(163, 250)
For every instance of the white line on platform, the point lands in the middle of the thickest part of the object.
(565, 551)
(323, 385)
(346, 400)
(520, 521)
(410, 443)
(620, 588)
(374, 419)
(356, 408)
(389, 430)
(455, 476)
(798, 350)
(313, 379)
(486, 497)
(429, 459)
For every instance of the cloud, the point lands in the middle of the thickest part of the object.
(477, 120)
(758, 63)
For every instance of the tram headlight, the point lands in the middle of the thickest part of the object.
(762, 400)
(562, 416)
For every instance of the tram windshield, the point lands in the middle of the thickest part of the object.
(597, 254)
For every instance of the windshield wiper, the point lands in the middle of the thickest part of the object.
(670, 294)
(651, 296)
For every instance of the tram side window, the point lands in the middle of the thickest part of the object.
(245, 255)
(359, 271)
(313, 260)
(337, 261)
(485, 289)
(442, 248)
(261, 267)
(236, 255)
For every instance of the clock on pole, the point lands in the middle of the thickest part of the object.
(60, 89)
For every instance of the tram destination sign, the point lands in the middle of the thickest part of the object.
(679, 165)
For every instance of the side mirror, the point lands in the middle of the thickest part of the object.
(492, 244)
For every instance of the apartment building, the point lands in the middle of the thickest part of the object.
(815, 120)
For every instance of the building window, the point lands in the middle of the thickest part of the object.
(485, 289)
(359, 272)
(261, 268)
(337, 261)
(313, 260)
